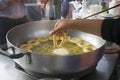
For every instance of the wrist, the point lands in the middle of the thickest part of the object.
(77, 24)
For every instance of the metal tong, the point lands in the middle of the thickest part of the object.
(101, 11)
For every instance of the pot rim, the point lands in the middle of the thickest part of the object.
(41, 53)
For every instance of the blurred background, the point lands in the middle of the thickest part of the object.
(64, 9)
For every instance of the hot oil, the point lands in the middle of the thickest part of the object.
(47, 48)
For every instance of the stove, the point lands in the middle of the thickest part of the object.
(105, 70)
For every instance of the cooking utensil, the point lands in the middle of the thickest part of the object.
(101, 11)
(54, 65)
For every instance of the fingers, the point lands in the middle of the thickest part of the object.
(60, 33)
(56, 29)
(60, 27)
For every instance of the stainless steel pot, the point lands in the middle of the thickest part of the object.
(51, 64)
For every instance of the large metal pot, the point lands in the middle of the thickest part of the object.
(52, 64)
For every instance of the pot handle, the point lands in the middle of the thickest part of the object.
(3, 51)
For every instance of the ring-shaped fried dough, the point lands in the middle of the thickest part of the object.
(62, 40)
(26, 47)
(33, 42)
(55, 39)
(74, 40)
(80, 43)
(50, 37)
(87, 48)
(68, 38)
(86, 43)
(55, 42)
(93, 48)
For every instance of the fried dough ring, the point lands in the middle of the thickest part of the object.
(88, 48)
(55, 41)
(63, 38)
(74, 40)
(33, 42)
(86, 43)
(50, 37)
(80, 43)
(26, 47)
(68, 38)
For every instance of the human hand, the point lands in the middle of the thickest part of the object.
(63, 26)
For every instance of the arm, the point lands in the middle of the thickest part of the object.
(108, 29)
(89, 26)
(86, 25)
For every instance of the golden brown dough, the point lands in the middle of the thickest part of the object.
(76, 43)
(80, 43)
(63, 38)
(26, 47)
(56, 38)
(33, 42)
(55, 41)
(74, 40)
(68, 38)
(88, 48)
(50, 37)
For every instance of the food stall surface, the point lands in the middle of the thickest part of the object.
(103, 70)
